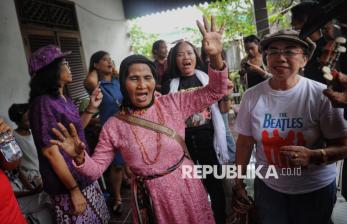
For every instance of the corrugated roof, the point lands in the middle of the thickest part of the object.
(137, 8)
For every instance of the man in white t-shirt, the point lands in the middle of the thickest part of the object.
(295, 128)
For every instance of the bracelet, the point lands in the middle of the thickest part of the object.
(324, 156)
(89, 112)
(73, 188)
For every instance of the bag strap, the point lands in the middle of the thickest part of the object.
(155, 127)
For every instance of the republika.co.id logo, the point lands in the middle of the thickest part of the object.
(233, 171)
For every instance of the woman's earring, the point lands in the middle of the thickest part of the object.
(301, 71)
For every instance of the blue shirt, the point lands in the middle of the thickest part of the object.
(112, 99)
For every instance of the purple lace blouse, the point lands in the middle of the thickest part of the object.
(45, 112)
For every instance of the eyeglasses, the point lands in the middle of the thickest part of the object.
(285, 52)
(65, 63)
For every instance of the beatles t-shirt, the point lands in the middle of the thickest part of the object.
(301, 115)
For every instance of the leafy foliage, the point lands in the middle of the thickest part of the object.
(278, 13)
(194, 34)
(237, 14)
(141, 42)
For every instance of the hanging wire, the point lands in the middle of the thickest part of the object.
(99, 16)
(291, 5)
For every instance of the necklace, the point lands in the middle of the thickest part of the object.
(127, 110)
(144, 153)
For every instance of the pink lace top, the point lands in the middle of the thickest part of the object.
(176, 199)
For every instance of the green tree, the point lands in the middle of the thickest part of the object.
(239, 16)
(141, 42)
(279, 13)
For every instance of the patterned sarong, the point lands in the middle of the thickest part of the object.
(96, 211)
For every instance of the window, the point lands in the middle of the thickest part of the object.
(54, 22)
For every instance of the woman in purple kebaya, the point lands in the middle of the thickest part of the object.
(76, 198)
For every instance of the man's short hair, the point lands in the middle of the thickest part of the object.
(156, 45)
(16, 111)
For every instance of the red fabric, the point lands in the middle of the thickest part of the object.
(9, 210)
(161, 67)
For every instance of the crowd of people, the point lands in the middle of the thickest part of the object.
(152, 118)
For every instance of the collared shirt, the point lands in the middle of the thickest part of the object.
(112, 99)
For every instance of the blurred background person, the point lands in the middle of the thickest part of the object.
(10, 212)
(252, 67)
(26, 180)
(101, 65)
(300, 14)
(159, 51)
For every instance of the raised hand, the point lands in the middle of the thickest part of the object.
(4, 126)
(69, 142)
(95, 98)
(212, 39)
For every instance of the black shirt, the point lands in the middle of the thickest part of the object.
(253, 77)
(188, 82)
(203, 119)
(313, 69)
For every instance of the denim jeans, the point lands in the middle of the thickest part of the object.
(274, 207)
(230, 139)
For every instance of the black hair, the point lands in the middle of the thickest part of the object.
(172, 70)
(302, 11)
(95, 58)
(251, 39)
(17, 110)
(156, 45)
(46, 80)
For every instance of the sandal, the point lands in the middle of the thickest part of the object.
(118, 207)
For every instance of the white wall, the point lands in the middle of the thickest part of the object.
(96, 33)
(14, 75)
(102, 34)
